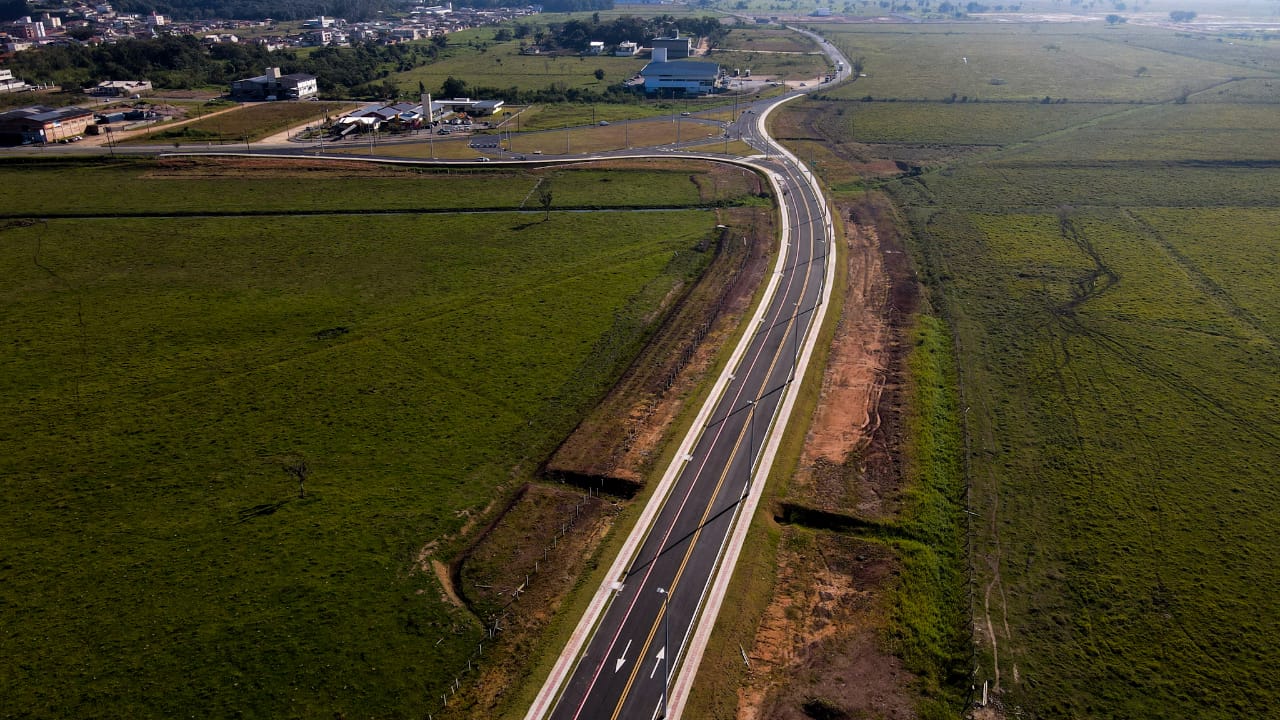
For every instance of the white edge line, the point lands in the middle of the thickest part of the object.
(687, 673)
(560, 673)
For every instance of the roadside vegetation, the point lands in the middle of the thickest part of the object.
(1094, 234)
(234, 445)
(249, 123)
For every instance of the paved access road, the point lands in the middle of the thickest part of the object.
(653, 602)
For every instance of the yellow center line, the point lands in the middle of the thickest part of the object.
(644, 650)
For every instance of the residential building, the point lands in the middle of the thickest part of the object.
(274, 86)
(595, 47)
(626, 48)
(9, 83)
(681, 77)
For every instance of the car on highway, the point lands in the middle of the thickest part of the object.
(482, 159)
(604, 123)
(685, 114)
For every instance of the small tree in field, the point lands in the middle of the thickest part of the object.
(599, 74)
(300, 471)
(544, 199)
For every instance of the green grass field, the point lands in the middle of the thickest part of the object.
(955, 123)
(160, 372)
(1109, 281)
(1019, 62)
(1108, 273)
(251, 122)
(500, 65)
(197, 186)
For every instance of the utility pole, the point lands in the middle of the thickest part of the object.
(666, 650)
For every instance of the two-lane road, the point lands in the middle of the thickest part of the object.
(665, 585)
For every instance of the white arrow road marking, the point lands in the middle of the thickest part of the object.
(661, 654)
(622, 660)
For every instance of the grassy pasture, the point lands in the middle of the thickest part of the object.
(774, 65)
(957, 123)
(554, 117)
(1140, 183)
(1108, 272)
(576, 139)
(155, 557)
(1252, 57)
(1027, 64)
(1191, 132)
(767, 40)
(253, 121)
(199, 186)
(502, 66)
(1249, 90)
(1236, 251)
(1125, 449)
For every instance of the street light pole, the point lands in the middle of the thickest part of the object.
(666, 650)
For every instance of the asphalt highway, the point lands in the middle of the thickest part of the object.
(633, 647)
(626, 668)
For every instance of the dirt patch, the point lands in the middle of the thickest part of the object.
(854, 378)
(818, 650)
(850, 460)
(616, 445)
(442, 574)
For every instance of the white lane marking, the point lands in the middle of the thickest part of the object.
(622, 660)
(661, 654)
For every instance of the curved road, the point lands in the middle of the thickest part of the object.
(637, 648)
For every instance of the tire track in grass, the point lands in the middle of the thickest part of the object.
(1200, 279)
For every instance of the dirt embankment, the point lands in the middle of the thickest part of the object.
(520, 568)
(614, 448)
(818, 651)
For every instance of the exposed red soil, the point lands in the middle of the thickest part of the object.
(818, 648)
(818, 643)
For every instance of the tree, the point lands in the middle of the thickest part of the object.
(1142, 70)
(599, 74)
(300, 471)
(1182, 16)
(1116, 19)
(453, 88)
(544, 198)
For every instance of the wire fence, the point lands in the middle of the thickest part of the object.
(496, 622)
